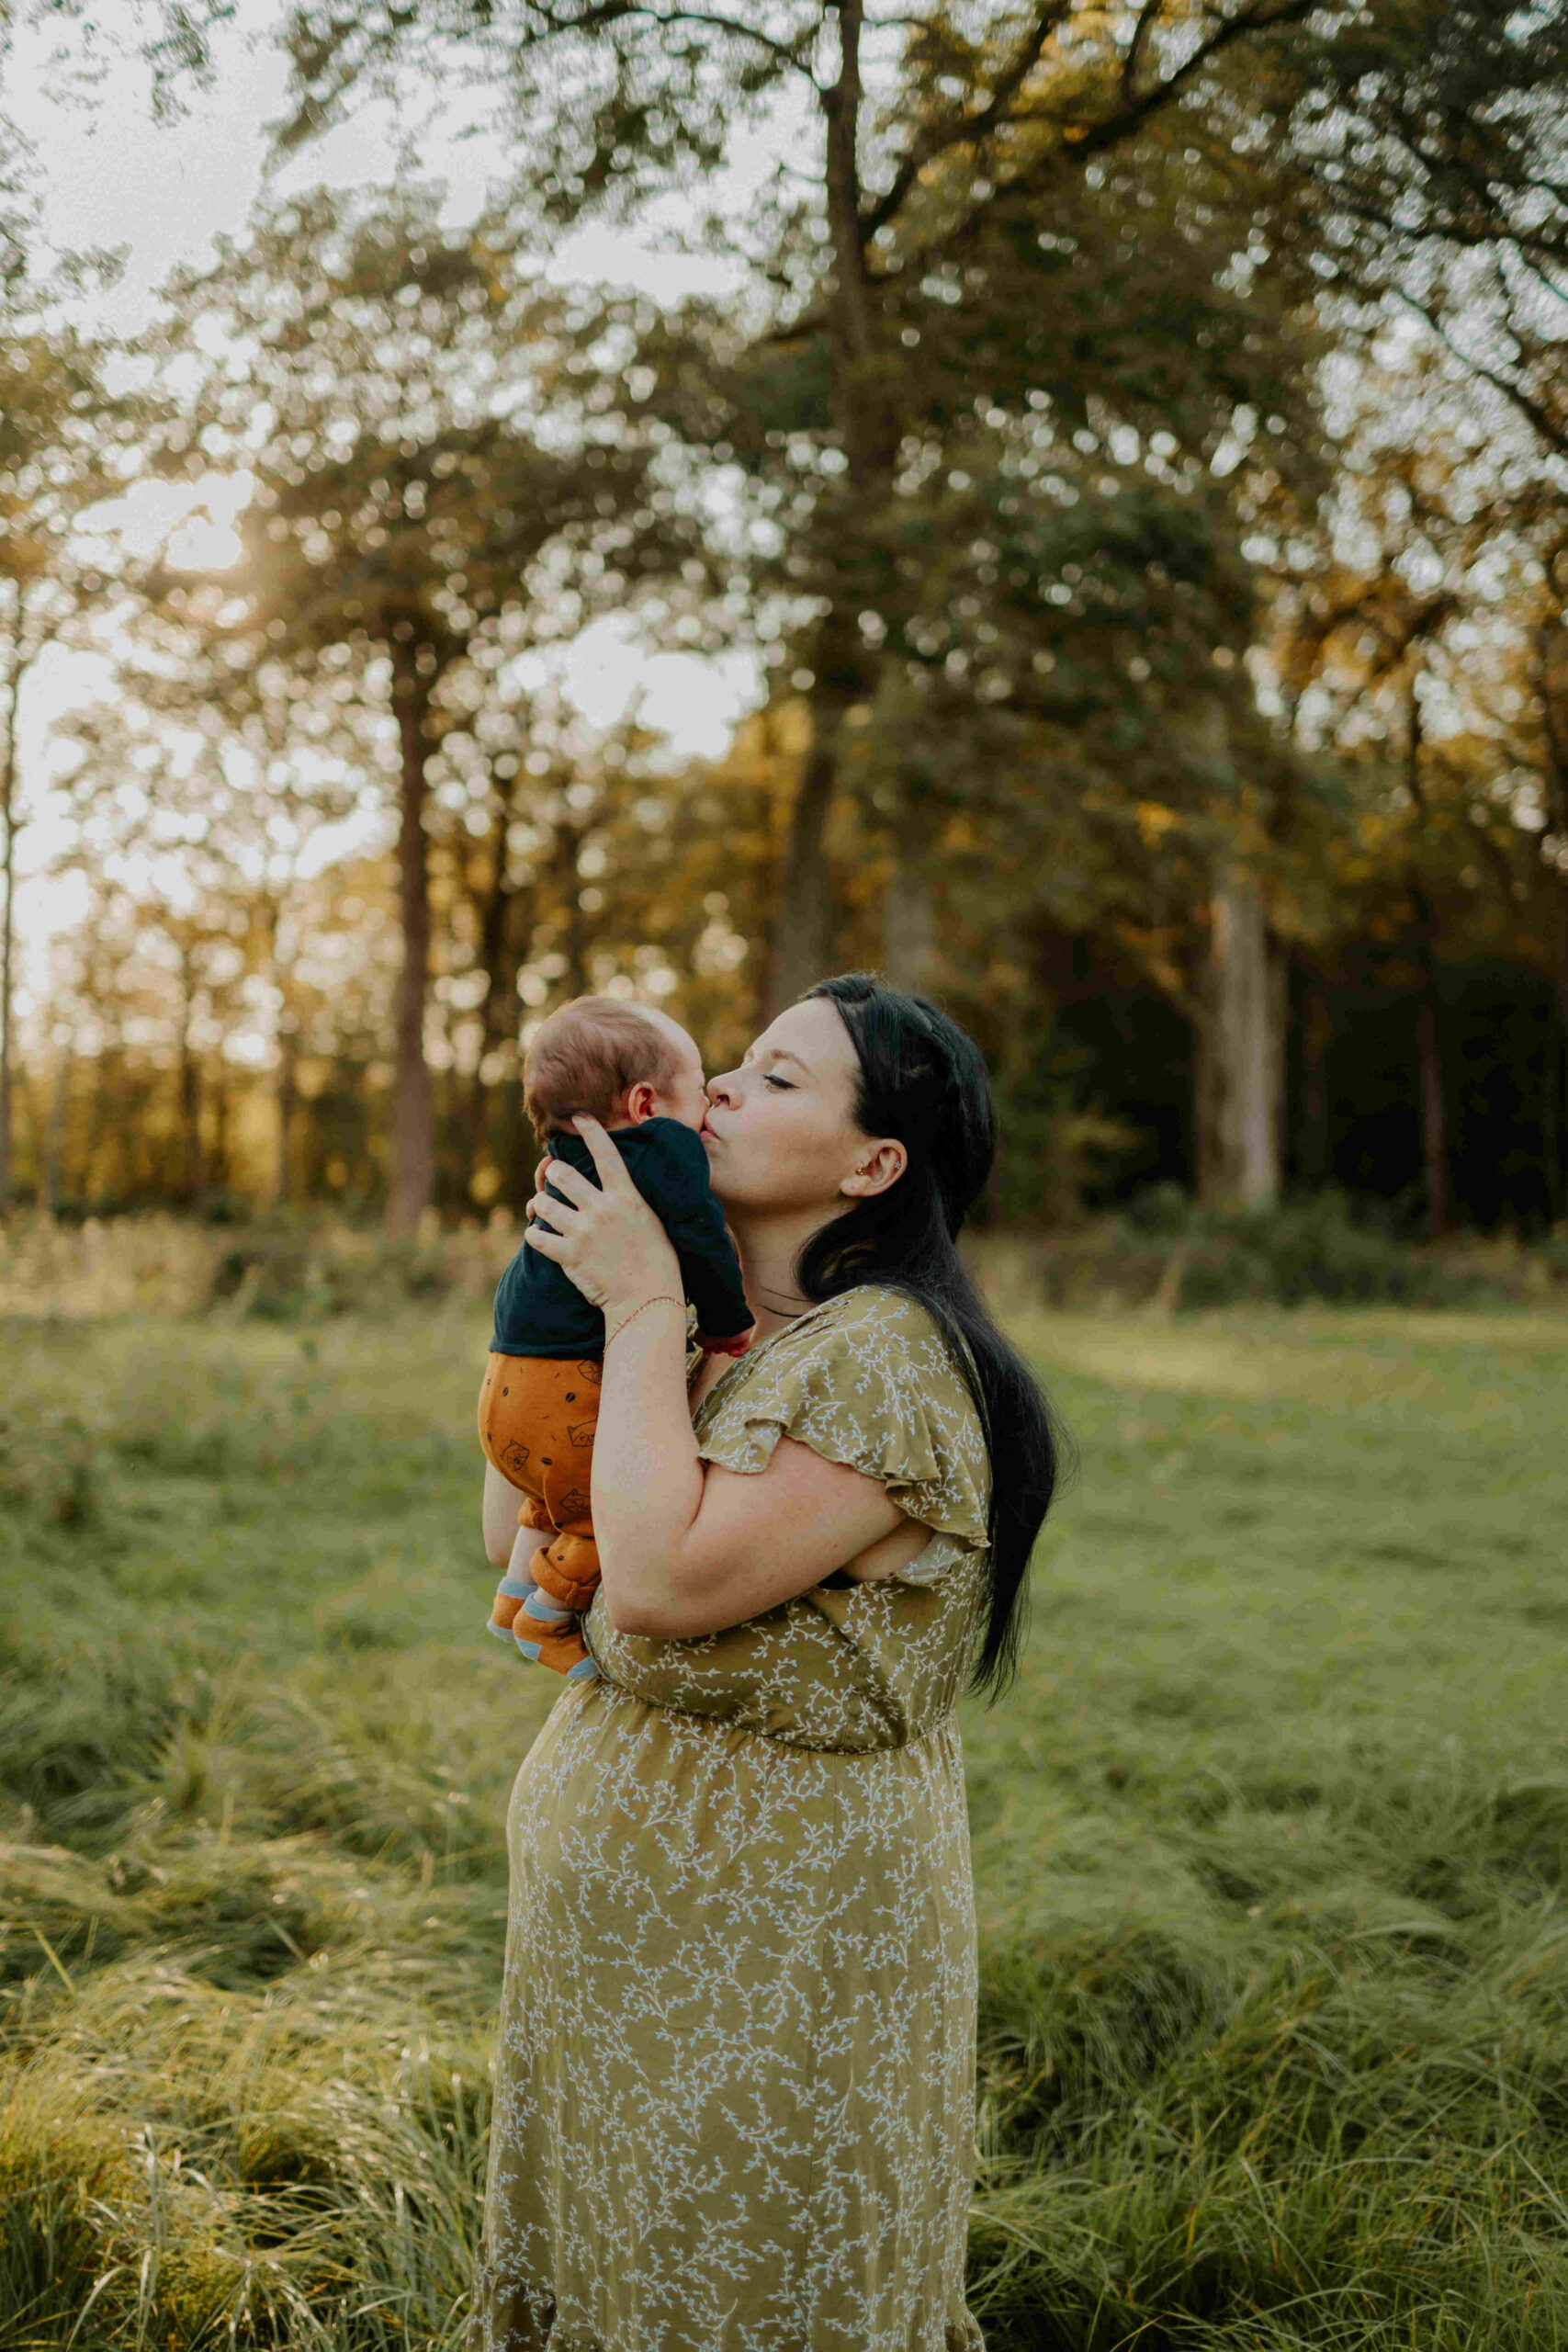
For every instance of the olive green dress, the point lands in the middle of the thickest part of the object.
(735, 2080)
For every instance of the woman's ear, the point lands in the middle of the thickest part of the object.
(879, 1168)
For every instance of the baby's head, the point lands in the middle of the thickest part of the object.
(623, 1063)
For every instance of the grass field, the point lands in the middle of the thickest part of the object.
(1270, 1840)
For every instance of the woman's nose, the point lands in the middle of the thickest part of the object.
(720, 1089)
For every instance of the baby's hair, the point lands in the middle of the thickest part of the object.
(588, 1056)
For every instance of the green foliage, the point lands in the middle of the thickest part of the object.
(1272, 1936)
(259, 2114)
(1271, 1879)
(1164, 1252)
(45, 1463)
(1434, 132)
(398, 506)
(1007, 443)
(283, 1272)
(1318, 1250)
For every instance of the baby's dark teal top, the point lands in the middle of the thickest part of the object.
(539, 1311)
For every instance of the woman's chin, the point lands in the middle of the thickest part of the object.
(723, 1191)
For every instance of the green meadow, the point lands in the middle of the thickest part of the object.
(1270, 1840)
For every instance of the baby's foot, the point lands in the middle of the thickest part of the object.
(510, 1595)
(544, 1610)
(557, 1640)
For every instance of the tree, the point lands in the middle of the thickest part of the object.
(571, 857)
(218, 785)
(1434, 133)
(928, 134)
(432, 452)
(66, 444)
(1405, 654)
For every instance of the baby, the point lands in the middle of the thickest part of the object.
(642, 1077)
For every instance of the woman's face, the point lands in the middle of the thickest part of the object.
(781, 1133)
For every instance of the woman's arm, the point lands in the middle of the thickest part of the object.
(688, 1549)
(684, 1552)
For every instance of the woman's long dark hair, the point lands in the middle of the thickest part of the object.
(923, 1081)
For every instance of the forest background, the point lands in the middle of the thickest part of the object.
(1131, 458)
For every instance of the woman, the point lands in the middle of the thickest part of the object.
(735, 2083)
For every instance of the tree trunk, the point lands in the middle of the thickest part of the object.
(54, 1133)
(285, 1088)
(566, 881)
(1552, 690)
(840, 109)
(1240, 1052)
(8, 912)
(190, 1084)
(287, 1101)
(413, 1127)
(803, 924)
(190, 1127)
(1554, 1114)
(497, 955)
(1434, 1120)
(1317, 1034)
(908, 931)
(844, 666)
(218, 1170)
(1557, 1085)
(99, 1126)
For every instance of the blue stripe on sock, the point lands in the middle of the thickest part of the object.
(545, 1612)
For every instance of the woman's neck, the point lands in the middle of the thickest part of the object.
(769, 1248)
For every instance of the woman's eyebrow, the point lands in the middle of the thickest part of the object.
(783, 1054)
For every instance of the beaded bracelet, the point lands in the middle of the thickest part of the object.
(663, 1299)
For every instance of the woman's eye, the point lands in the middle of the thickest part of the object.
(782, 1083)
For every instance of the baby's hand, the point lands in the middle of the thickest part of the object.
(736, 1346)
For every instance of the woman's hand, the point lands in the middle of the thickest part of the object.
(605, 1236)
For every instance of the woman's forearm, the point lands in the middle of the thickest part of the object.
(648, 1480)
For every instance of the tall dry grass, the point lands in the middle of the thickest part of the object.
(282, 1267)
(1272, 1844)
(1162, 1255)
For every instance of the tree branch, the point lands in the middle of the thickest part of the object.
(613, 12)
(1552, 432)
(1258, 17)
(1470, 240)
(1136, 47)
(971, 130)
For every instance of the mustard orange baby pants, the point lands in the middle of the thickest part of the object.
(537, 1416)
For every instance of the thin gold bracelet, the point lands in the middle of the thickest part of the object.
(663, 1299)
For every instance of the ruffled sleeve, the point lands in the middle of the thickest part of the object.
(866, 1379)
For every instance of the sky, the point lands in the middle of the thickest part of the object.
(112, 176)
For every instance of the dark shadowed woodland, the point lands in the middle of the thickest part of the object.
(1131, 453)
(1125, 448)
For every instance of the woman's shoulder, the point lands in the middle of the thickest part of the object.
(867, 1312)
(874, 1334)
(872, 1318)
(865, 1378)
